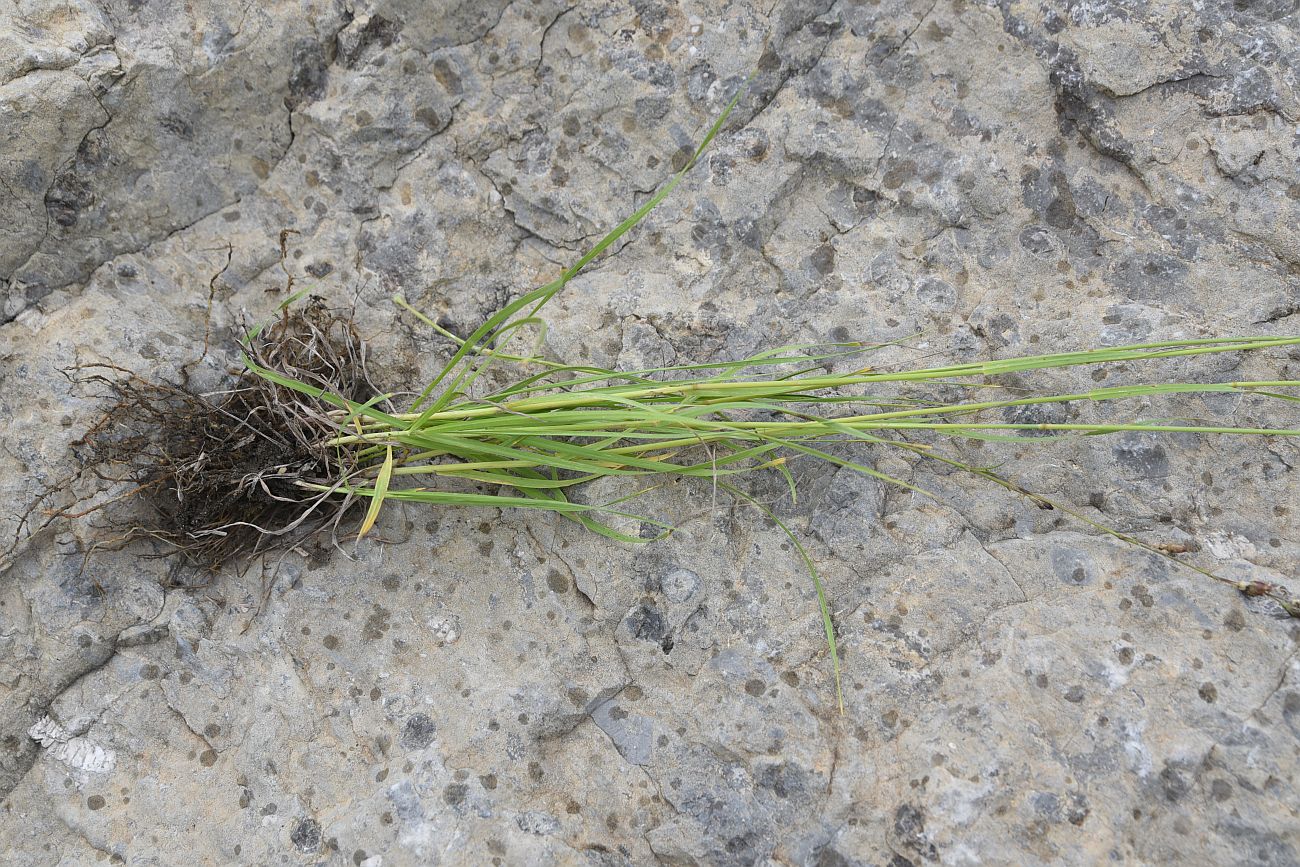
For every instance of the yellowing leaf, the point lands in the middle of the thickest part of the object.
(381, 488)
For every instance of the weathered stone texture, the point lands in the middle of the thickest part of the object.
(1002, 177)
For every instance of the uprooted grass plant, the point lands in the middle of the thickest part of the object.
(218, 474)
(304, 435)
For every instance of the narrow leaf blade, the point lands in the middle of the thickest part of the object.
(381, 490)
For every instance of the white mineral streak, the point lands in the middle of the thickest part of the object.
(77, 752)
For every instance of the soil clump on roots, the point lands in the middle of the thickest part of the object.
(215, 477)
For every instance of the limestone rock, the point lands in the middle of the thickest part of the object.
(480, 686)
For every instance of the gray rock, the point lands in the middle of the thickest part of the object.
(996, 178)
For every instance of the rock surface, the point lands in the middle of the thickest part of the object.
(1004, 177)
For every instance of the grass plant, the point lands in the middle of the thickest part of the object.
(303, 437)
(558, 425)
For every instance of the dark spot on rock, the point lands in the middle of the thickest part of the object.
(1141, 455)
(306, 835)
(95, 802)
(1150, 276)
(745, 847)
(1208, 692)
(447, 77)
(377, 32)
(935, 32)
(784, 780)
(94, 151)
(647, 623)
(1174, 784)
(430, 117)
(455, 793)
(320, 269)
(488, 781)
(909, 826)
(1074, 694)
(1082, 108)
(319, 557)
(1077, 811)
(1060, 212)
(935, 294)
(557, 581)
(377, 624)
(1235, 620)
(309, 73)
(208, 758)
(755, 687)
(1143, 595)
(899, 174)
(67, 197)
(149, 672)
(1039, 242)
(331, 642)
(681, 157)
(823, 259)
(1046, 804)
(829, 857)
(418, 732)
(1056, 413)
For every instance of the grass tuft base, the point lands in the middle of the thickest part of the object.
(214, 477)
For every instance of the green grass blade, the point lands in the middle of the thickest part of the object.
(828, 624)
(377, 500)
